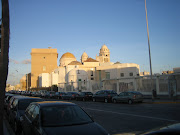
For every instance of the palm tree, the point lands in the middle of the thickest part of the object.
(4, 57)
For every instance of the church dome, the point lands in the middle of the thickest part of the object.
(67, 58)
(68, 55)
(84, 54)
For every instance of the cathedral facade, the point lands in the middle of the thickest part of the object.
(88, 74)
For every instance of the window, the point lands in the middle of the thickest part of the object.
(92, 78)
(122, 74)
(131, 83)
(107, 75)
(131, 74)
(35, 112)
(91, 73)
(29, 112)
(44, 68)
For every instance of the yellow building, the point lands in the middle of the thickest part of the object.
(42, 61)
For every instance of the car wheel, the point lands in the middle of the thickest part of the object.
(130, 102)
(94, 100)
(106, 100)
(114, 101)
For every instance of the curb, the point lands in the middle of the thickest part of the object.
(162, 102)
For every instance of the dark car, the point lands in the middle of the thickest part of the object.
(128, 97)
(70, 95)
(104, 95)
(172, 129)
(9, 106)
(18, 108)
(58, 95)
(52, 94)
(6, 100)
(55, 118)
(84, 96)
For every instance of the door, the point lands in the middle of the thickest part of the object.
(27, 122)
(121, 97)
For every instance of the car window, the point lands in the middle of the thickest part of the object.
(121, 94)
(63, 115)
(29, 112)
(15, 103)
(35, 112)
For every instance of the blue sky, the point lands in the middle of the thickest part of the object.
(85, 25)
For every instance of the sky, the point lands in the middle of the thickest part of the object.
(85, 25)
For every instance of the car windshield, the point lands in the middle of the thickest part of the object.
(111, 92)
(23, 104)
(63, 116)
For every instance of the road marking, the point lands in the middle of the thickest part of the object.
(132, 115)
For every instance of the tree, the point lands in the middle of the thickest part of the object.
(4, 57)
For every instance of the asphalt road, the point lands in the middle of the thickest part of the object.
(123, 118)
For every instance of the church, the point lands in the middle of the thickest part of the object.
(88, 74)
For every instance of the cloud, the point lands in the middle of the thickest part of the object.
(27, 61)
(13, 61)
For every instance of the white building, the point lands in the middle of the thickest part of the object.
(88, 74)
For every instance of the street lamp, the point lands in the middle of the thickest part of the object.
(149, 52)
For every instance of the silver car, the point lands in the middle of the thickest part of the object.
(128, 97)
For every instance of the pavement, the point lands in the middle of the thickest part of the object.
(7, 128)
(162, 100)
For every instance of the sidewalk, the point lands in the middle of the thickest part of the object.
(7, 128)
(161, 101)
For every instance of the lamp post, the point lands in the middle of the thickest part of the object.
(149, 52)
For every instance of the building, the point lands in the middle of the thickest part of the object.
(88, 74)
(42, 61)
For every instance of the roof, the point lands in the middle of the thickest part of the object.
(53, 103)
(75, 63)
(24, 97)
(117, 62)
(68, 55)
(91, 60)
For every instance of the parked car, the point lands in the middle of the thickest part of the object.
(58, 95)
(70, 95)
(52, 94)
(84, 96)
(55, 118)
(43, 93)
(171, 129)
(9, 106)
(19, 106)
(38, 94)
(6, 100)
(129, 97)
(104, 95)
(33, 94)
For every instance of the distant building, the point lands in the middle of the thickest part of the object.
(167, 72)
(176, 70)
(144, 73)
(72, 75)
(42, 61)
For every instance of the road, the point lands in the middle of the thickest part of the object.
(136, 118)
